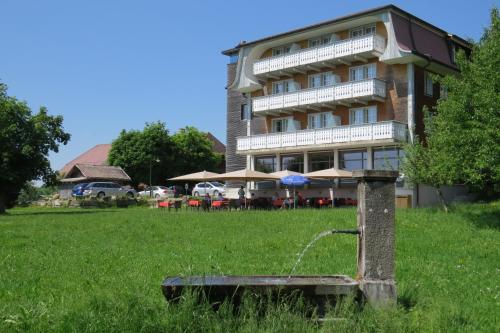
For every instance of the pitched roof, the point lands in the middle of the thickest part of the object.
(89, 172)
(97, 155)
(345, 18)
(219, 147)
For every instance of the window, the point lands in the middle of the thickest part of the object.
(363, 31)
(280, 87)
(322, 120)
(353, 159)
(277, 51)
(363, 72)
(245, 112)
(282, 125)
(323, 40)
(265, 163)
(293, 163)
(363, 115)
(387, 158)
(428, 84)
(321, 161)
(322, 80)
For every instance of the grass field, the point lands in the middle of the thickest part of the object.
(100, 270)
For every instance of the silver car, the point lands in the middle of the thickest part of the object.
(158, 192)
(108, 189)
(212, 188)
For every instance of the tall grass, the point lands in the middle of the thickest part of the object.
(74, 270)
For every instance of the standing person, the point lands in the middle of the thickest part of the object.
(241, 195)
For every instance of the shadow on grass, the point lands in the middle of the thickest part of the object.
(63, 212)
(487, 218)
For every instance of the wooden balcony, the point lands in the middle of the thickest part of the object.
(344, 93)
(339, 136)
(343, 51)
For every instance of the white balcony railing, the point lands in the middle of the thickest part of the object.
(343, 91)
(336, 50)
(341, 134)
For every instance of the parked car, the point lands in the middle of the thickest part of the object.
(212, 188)
(180, 190)
(159, 192)
(78, 189)
(108, 189)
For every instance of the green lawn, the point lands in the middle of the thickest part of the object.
(100, 270)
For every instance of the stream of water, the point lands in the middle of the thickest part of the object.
(311, 243)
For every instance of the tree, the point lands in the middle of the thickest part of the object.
(194, 152)
(25, 142)
(462, 137)
(137, 152)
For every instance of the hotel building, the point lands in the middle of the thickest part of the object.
(345, 93)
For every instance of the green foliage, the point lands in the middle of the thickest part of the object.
(25, 142)
(138, 151)
(194, 152)
(187, 151)
(94, 270)
(462, 143)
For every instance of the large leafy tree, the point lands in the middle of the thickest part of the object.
(194, 152)
(462, 136)
(144, 153)
(25, 142)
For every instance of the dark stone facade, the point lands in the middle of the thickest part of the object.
(235, 125)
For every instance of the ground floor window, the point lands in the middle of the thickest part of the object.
(353, 159)
(387, 158)
(321, 160)
(293, 162)
(265, 163)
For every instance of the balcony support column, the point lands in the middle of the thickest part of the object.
(278, 168)
(306, 162)
(336, 165)
(369, 152)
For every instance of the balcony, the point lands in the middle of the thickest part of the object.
(342, 51)
(347, 136)
(355, 91)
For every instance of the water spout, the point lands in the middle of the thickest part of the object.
(317, 238)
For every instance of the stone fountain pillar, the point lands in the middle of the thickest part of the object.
(376, 205)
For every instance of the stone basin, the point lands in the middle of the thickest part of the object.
(317, 290)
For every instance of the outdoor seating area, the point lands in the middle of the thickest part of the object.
(246, 199)
(262, 203)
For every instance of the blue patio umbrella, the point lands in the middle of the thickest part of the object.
(294, 180)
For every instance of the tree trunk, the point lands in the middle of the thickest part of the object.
(441, 198)
(2, 204)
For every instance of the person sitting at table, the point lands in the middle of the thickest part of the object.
(299, 200)
(275, 196)
(220, 197)
(207, 202)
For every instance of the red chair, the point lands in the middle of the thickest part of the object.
(194, 204)
(218, 204)
(278, 203)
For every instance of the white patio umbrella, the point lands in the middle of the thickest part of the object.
(202, 175)
(197, 176)
(245, 175)
(329, 174)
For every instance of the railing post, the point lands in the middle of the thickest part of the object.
(375, 215)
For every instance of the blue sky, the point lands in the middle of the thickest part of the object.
(112, 65)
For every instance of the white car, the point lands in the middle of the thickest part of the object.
(212, 188)
(158, 192)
